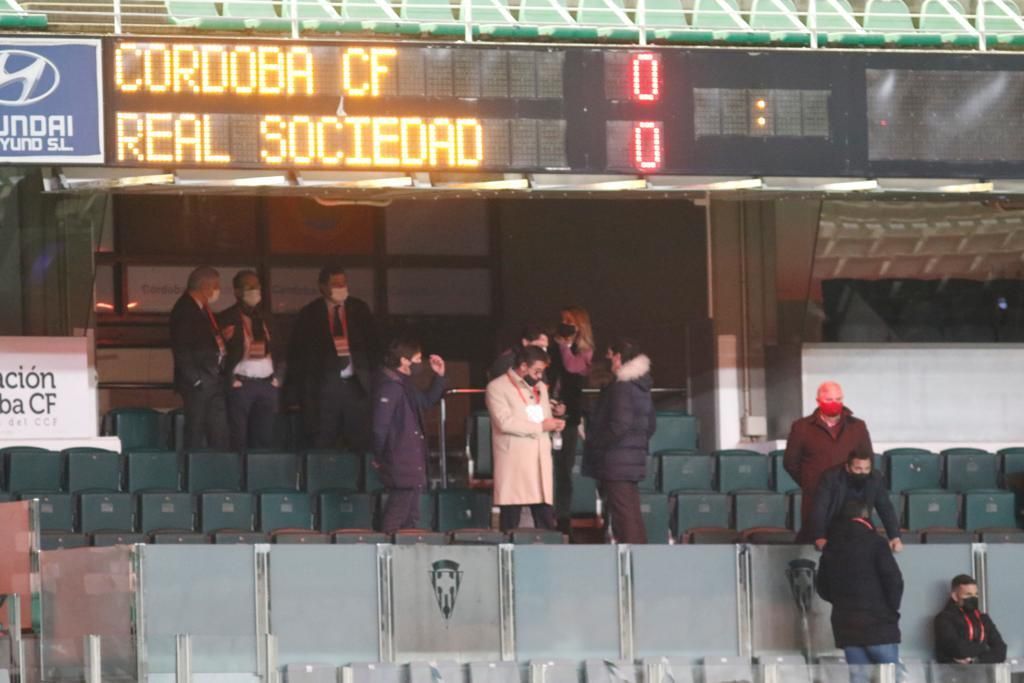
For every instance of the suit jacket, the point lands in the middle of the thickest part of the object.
(954, 639)
(399, 438)
(311, 354)
(193, 345)
(236, 345)
(522, 449)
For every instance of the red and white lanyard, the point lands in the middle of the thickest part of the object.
(970, 626)
(536, 392)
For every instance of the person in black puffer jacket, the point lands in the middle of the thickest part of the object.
(617, 439)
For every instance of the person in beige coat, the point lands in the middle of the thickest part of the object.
(521, 424)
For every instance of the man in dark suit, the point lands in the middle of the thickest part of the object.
(199, 348)
(853, 481)
(254, 372)
(331, 357)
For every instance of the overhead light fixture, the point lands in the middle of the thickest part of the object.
(610, 185)
(968, 187)
(85, 183)
(509, 184)
(850, 186)
(257, 181)
(395, 181)
(739, 184)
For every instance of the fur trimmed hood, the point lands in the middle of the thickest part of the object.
(634, 369)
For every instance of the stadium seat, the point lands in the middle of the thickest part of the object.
(686, 471)
(950, 24)
(94, 470)
(728, 452)
(781, 481)
(743, 473)
(609, 16)
(137, 428)
(58, 540)
(463, 509)
(494, 19)
(348, 536)
(429, 16)
(172, 538)
(342, 510)
(755, 509)
(666, 21)
(675, 430)
(654, 510)
(584, 494)
(931, 509)
(332, 471)
(536, 537)
(712, 536)
(239, 538)
(477, 537)
(1003, 22)
(154, 470)
(780, 19)
(213, 471)
(897, 503)
(652, 475)
(892, 19)
(13, 16)
(225, 511)
(299, 537)
(427, 510)
(258, 15)
(279, 511)
(723, 19)
(415, 536)
(319, 15)
(701, 511)
(989, 509)
(106, 512)
(370, 15)
(478, 424)
(948, 536)
(1002, 535)
(166, 512)
(553, 20)
(911, 469)
(967, 470)
(33, 469)
(201, 14)
(769, 536)
(55, 511)
(1012, 467)
(105, 539)
(175, 420)
(267, 471)
(837, 25)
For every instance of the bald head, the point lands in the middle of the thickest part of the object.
(830, 391)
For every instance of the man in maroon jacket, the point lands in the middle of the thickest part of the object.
(820, 441)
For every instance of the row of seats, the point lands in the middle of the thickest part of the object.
(13, 16)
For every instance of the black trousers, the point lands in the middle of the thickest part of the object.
(401, 511)
(563, 462)
(251, 410)
(622, 499)
(342, 409)
(543, 516)
(206, 422)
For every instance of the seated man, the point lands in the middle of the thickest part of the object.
(963, 633)
(854, 481)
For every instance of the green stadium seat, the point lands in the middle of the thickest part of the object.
(837, 25)
(427, 508)
(1003, 22)
(911, 469)
(258, 15)
(701, 511)
(332, 471)
(892, 19)
(371, 477)
(654, 510)
(33, 469)
(494, 19)
(780, 19)
(166, 512)
(239, 538)
(201, 14)
(106, 512)
(176, 429)
(759, 509)
(584, 494)
(463, 509)
(271, 471)
(153, 471)
(225, 511)
(55, 510)
(294, 537)
(94, 470)
(950, 24)
(371, 15)
(992, 509)
(729, 452)
(13, 16)
(342, 510)
(429, 16)
(319, 15)
(173, 538)
(137, 428)
(536, 537)
(675, 430)
(58, 540)
(610, 17)
(743, 472)
(279, 511)
(649, 484)
(1012, 467)
(970, 470)
(553, 20)
(213, 471)
(783, 483)
(897, 504)
(476, 537)
(666, 21)
(478, 425)
(682, 471)
(418, 536)
(723, 19)
(931, 509)
(350, 536)
(106, 539)
(1002, 536)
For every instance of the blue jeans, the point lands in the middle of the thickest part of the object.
(859, 658)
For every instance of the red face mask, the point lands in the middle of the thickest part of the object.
(830, 408)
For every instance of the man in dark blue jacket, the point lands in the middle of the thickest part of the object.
(854, 481)
(399, 439)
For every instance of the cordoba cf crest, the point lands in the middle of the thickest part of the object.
(445, 577)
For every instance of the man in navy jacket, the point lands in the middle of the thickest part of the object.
(399, 439)
(853, 481)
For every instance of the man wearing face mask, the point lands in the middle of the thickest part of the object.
(400, 446)
(254, 374)
(199, 345)
(331, 358)
(963, 633)
(819, 442)
(854, 481)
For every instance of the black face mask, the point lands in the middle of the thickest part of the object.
(566, 330)
(970, 604)
(532, 381)
(416, 368)
(857, 481)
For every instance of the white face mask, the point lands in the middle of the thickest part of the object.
(214, 295)
(339, 294)
(252, 297)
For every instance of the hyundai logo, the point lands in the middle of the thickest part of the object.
(26, 78)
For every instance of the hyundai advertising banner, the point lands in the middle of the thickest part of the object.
(51, 102)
